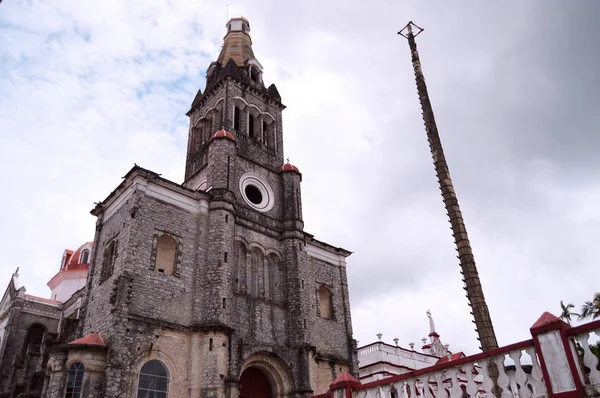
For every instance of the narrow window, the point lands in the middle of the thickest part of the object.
(236, 118)
(194, 137)
(265, 138)
(226, 218)
(251, 126)
(110, 255)
(302, 282)
(255, 268)
(253, 74)
(224, 302)
(239, 269)
(325, 302)
(209, 123)
(210, 344)
(225, 257)
(166, 254)
(154, 380)
(85, 257)
(75, 380)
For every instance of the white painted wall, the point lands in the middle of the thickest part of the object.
(71, 282)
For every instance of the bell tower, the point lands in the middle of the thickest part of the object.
(236, 100)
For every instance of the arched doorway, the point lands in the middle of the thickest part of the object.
(265, 375)
(255, 384)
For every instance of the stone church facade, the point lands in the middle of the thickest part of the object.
(210, 288)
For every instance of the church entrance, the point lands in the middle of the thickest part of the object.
(255, 384)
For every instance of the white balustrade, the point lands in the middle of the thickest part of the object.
(590, 361)
(470, 378)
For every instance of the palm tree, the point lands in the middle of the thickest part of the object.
(591, 309)
(565, 312)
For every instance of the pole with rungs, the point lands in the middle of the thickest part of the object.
(481, 315)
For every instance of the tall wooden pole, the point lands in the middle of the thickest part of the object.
(483, 322)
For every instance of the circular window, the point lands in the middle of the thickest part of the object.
(256, 192)
(253, 194)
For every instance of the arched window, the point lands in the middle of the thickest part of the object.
(254, 74)
(154, 380)
(255, 268)
(325, 302)
(236, 118)
(110, 256)
(75, 380)
(85, 257)
(33, 338)
(264, 133)
(209, 123)
(166, 254)
(251, 125)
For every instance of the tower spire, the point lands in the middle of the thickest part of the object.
(483, 322)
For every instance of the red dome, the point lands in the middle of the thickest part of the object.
(289, 167)
(77, 260)
(222, 134)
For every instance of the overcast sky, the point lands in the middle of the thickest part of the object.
(89, 88)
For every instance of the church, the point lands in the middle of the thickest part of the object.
(208, 288)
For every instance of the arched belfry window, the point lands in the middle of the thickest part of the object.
(85, 257)
(251, 131)
(236, 118)
(75, 380)
(154, 380)
(110, 256)
(325, 303)
(166, 254)
(254, 74)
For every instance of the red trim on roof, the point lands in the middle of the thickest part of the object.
(289, 167)
(89, 339)
(548, 322)
(344, 380)
(453, 357)
(223, 134)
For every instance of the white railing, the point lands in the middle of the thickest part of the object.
(468, 375)
(557, 362)
(582, 338)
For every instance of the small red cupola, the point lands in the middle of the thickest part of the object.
(222, 134)
(289, 167)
